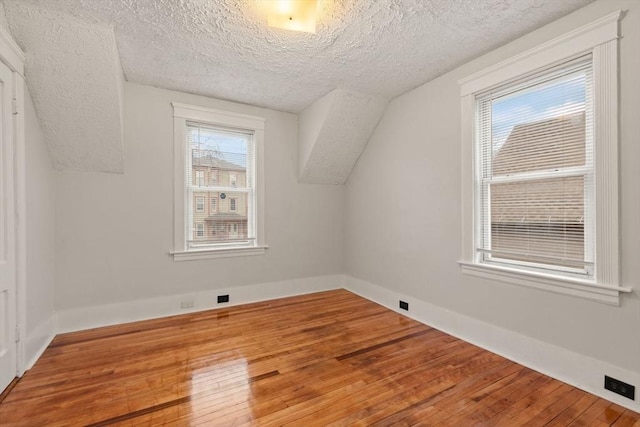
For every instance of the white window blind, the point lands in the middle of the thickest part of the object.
(220, 164)
(536, 189)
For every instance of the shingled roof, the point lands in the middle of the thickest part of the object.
(543, 145)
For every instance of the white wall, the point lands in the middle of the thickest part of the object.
(310, 122)
(40, 203)
(114, 232)
(39, 246)
(403, 211)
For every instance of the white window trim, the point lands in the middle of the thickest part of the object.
(181, 114)
(600, 38)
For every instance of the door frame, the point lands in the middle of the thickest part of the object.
(13, 57)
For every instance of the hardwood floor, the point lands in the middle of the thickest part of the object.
(330, 358)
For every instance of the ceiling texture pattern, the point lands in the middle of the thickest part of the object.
(224, 49)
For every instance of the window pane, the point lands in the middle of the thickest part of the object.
(200, 204)
(541, 127)
(228, 217)
(539, 221)
(536, 177)
(218, 157)
(220, 172)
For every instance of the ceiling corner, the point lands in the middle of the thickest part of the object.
(333, 132)
(75, 78)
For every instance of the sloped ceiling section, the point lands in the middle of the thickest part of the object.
(333, 132)
(75, 78)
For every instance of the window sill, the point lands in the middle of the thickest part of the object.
(560, 285)
(197, 254)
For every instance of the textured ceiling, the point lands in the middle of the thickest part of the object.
(75, 79)
(368, 50)
(223, 48)
(333, 132)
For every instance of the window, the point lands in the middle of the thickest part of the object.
(199, 178)
(199, 204)
(535, 183)
(209, 143)
(539, 167)
(199, 230)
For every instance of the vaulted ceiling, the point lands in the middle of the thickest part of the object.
(80, 51)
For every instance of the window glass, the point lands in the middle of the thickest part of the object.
(536, 183)
(215, 152)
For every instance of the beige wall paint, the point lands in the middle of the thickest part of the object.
(403, 210)
(114, 232)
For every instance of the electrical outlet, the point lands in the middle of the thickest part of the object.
(187, 304)
(619, 387)
(223, 298)
(404, 305)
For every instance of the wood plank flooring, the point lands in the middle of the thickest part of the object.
(330, 358)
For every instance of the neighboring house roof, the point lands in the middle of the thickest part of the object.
(542, 145)
(208, 159)
(226, 216)
(539, 145)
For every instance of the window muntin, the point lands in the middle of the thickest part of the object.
(219, 151)
(535, 182)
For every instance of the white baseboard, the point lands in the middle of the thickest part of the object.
(130, 311)
(38, 340)
(572, 368)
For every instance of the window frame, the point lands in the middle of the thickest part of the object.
(482, 121)
(213, 204)
(200, 178)
(600, 39)
(183, 113)
(200, 225)
(199, 198)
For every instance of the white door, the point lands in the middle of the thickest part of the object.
(8, 317)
